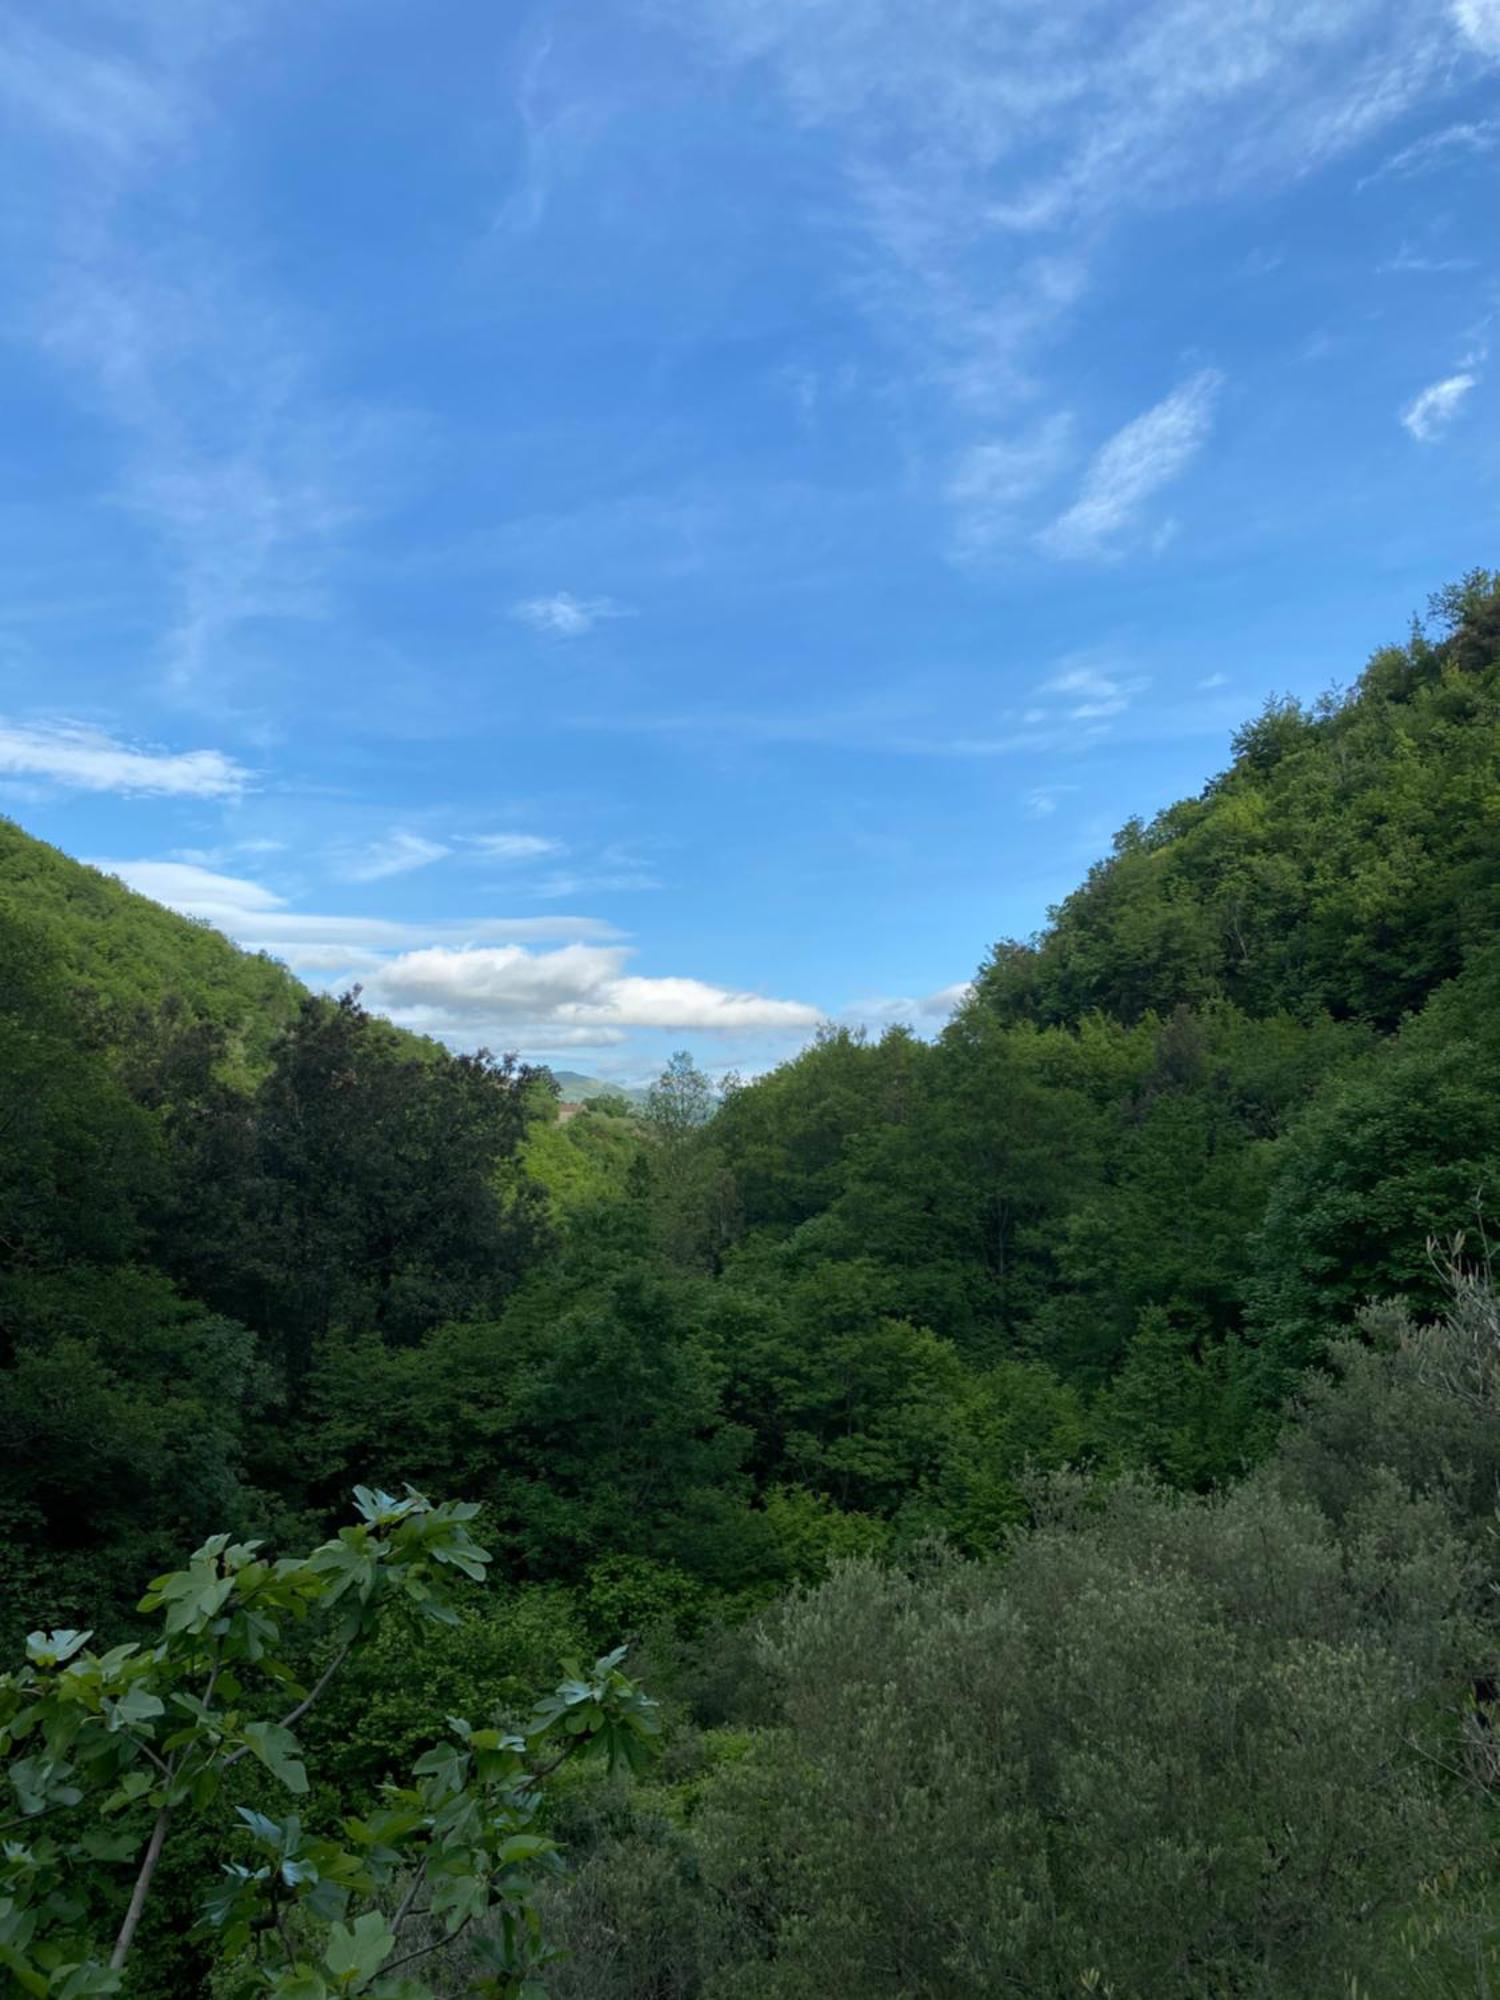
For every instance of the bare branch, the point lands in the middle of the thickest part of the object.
(138, 1894)
(296, 1714)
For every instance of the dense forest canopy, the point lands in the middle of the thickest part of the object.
(1049, 1470)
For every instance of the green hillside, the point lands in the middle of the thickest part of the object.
(132, 954)
(1347, 861)
(1048, 1471)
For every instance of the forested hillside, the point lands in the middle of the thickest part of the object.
(1048, 1472)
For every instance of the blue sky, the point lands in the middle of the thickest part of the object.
(627, 526)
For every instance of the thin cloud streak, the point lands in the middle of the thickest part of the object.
(1475, 139)
(400, 853)
(989, 165)
(247, 476)
(1428, 416)
(77, 757)
(1150, 452)
(564, 616)
(258, 918)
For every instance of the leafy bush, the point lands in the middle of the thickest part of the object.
(108, 1754)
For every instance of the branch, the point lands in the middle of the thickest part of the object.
(544, 1771)
(29, 1819)
(138, 1894)
(424, 1950)
(167, 1770)
(404, 1907)
(296, 1714)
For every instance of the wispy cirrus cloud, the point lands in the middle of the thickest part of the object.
(916, 1010)
(1480, 21)
(246, 475)
(117, 110)
(515, 846)
(1088, 692)
(993, 483)
(1429, 415)
(1042, 801)
(989, 165)
(398, 854)
(1147, 454)
(1470, 139)
(564, 616)
(78, 757)
(262, 918)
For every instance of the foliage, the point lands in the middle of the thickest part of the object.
(1180, 1747)
(128, 955)
(1035, 1292)
(109, 1753)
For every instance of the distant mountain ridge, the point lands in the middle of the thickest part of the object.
(575, 1086)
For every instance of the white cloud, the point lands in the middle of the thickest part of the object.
(107, 105)
(194, 889)
(565, 616)
(1428, 415)
(1480, 21)
(1150, 452)
(989, 152)
(1043, 800)
(992, 482)
(906, 1010)
(398, 854)
(245, 475)
(515, 846)
(1210, 681)
(258, 918)
(470, 980)
(1435, 150)
(1091, 693)
(85, 759)
(578, 989)
(602, 881)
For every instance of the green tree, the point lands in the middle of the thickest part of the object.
(378, 1188)
(108, 1755)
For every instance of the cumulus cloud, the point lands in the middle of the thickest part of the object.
(1150, 452)
(85, 759)
(579, 987)
(474, 980)
(1429, 415)
(565, 616)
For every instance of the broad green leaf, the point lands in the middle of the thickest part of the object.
(51, 1649)
(354, 1956)
(279, 1751)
